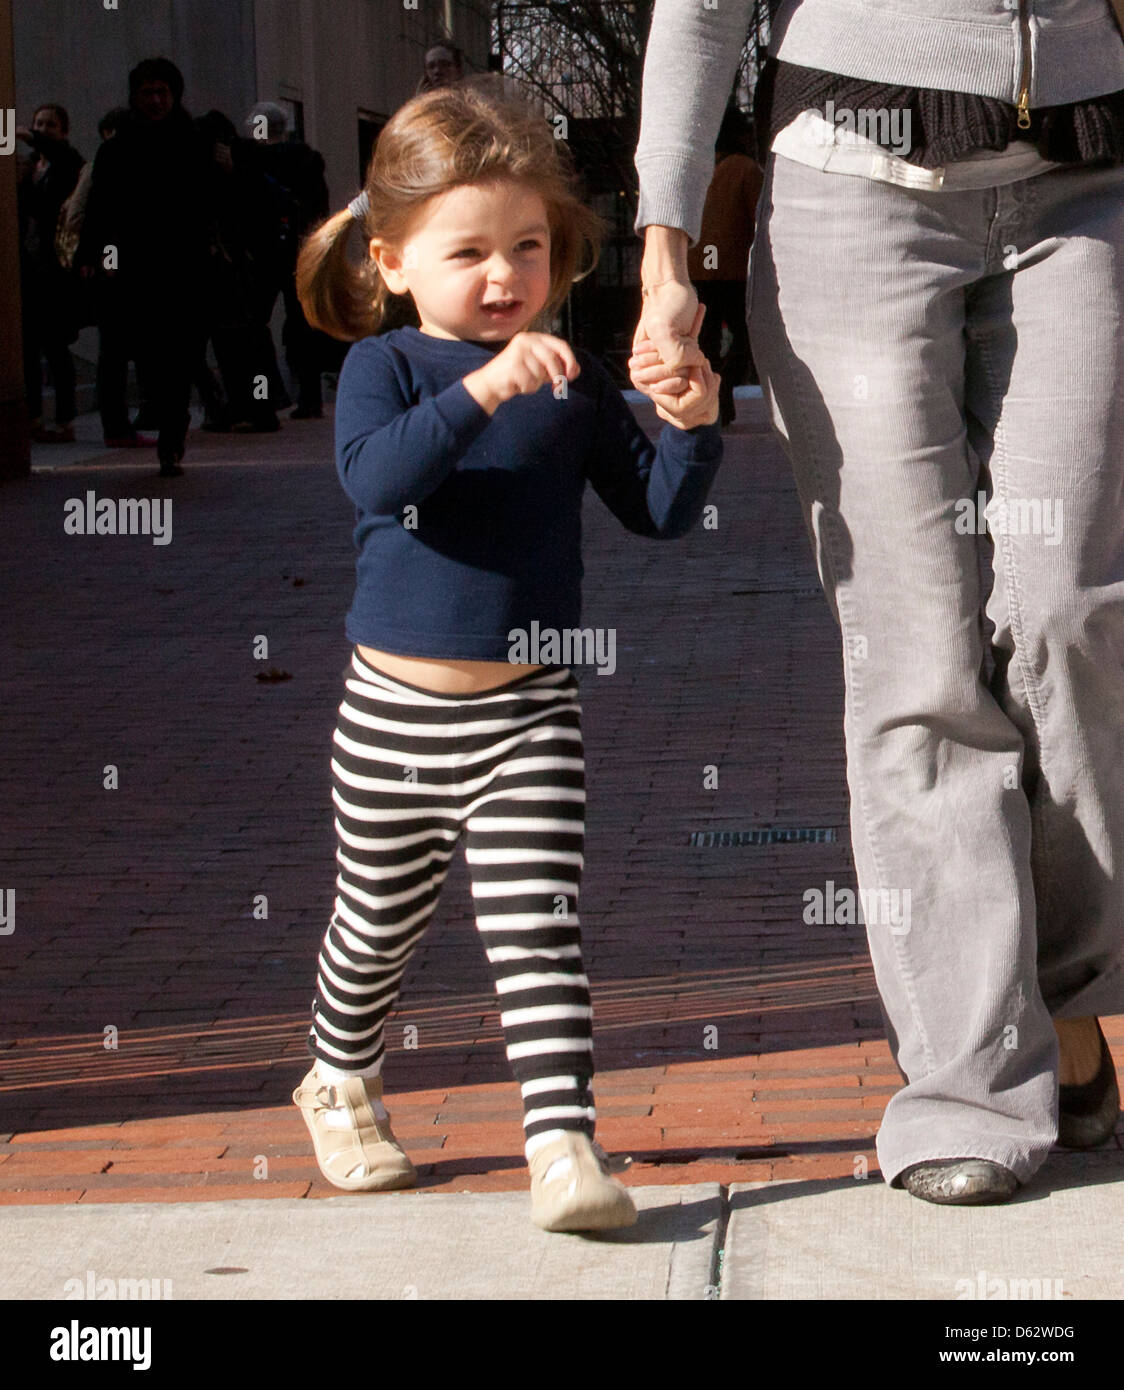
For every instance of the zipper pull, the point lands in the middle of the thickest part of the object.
(1024, 109)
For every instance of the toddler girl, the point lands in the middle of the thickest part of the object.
(466, 444)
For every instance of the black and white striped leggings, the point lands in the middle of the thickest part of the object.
(412, 770)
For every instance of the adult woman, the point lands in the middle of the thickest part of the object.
(933, 317)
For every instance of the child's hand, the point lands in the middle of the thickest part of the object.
(528, 362)
(698, 405)
(663, 309)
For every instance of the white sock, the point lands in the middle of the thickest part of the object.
(536, 1142)
(338, 1119)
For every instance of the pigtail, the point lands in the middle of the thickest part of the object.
(337, 296)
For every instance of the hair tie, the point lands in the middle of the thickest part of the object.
(360, 207)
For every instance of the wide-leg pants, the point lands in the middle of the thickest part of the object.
(919, 349)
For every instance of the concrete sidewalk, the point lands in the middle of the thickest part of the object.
(839, 1239)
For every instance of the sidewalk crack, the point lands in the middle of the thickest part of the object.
(714, 1285)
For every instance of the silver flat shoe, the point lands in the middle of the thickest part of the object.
(966, 1182)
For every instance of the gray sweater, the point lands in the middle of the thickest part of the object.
(1056, 51)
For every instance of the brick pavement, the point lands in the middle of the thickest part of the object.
(734, 1042)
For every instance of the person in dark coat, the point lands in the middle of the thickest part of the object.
(150, 233)
(252, 225)
(114, 352)
(50, 320)
(299, 170)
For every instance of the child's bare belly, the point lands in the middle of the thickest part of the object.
(445, 677)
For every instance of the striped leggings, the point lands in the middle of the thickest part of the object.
(412, 770)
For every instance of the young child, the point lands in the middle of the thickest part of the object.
(466, 445)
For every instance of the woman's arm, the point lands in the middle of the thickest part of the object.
(689, 64)
(667, 313)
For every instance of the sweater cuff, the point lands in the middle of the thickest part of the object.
(702, 444)
(673, 191)
(461, 413)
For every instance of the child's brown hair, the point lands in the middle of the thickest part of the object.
(471, 132)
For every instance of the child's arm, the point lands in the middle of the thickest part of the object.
(391, 453)
(656, 490)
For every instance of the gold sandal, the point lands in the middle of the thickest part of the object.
(365, 1157)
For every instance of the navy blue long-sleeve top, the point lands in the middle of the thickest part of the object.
(469, 525)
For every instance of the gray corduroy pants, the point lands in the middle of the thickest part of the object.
(924, 355)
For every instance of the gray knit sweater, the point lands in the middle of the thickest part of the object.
(1061, 50)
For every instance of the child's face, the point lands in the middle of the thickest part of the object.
(469, 248)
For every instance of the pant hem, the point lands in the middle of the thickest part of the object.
(1023, 1167)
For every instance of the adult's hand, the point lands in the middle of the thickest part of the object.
(670, 315)
(649, 366)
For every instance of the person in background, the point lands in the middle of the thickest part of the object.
(444, 65)
(113, 353)
(252, 217)
(149, 233)
(49, 305)
(297, 169)
(72, 215)
(718, 261)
